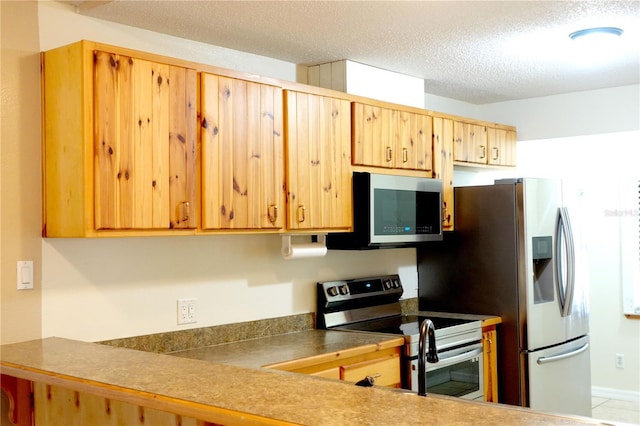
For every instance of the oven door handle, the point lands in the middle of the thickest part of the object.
(459, 343)
(455, 359)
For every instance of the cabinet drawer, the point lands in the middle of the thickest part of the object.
(385, 370)
(329, 373)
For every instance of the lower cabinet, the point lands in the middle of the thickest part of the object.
(383, 366)
(490, 348)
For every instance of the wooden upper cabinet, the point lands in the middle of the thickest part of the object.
(443, 166)
(318, 162)
(470, 142)
(391, 138)
(242, 154)
(502, 147)
(119, 143)
(484, 144)
(145, 144)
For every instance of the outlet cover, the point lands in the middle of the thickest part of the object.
(187, 311)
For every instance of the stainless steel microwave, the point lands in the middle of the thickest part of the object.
(392, 211)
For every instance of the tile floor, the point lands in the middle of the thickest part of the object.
(615, 411)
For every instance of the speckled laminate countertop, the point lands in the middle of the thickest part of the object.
(323, 345)
(205, 389)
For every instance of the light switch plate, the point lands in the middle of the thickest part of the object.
(24, 274)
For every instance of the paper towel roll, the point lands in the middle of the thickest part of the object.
(303, 250)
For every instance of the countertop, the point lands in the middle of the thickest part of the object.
(322, 345)
(210, 391)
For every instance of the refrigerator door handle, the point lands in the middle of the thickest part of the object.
(564, 234)
(547, 359)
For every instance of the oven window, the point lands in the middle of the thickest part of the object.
(458, 379)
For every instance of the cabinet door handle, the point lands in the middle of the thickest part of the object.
(301, 214)
(484, 151)
(497, 151)
(272, 213)
(185, 211)
(405, 155)
(389, 153)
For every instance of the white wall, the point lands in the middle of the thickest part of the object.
(591, 112)
(109, 288)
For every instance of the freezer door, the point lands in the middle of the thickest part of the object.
(559, 378)
(545, 325)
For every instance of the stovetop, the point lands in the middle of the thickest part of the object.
(406, 325)
(372, 305)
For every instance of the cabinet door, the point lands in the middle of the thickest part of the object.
(490, 359)
(502, 147)
(414, 143)
(443, 166)
(470, 143)
(318, 136)
(374, 135)
(144, 145)
(242, 154)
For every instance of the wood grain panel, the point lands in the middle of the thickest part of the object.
(345, 197)
(272, 158)
(55, 405)
(182, 148)
(317, 133)
(139, 203)
(210, 149)
(404, 152)
(291, 156)
(145, 144)
(157, 182)
(241, 156)
(242, 166)
(443, 166)
(302, 180)
(106, 140)
(125, 110)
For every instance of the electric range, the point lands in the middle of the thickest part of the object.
(372, 305)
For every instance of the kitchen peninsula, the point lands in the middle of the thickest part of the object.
(148, 388)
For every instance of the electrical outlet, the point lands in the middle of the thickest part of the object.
(620, 361)
(187, 311)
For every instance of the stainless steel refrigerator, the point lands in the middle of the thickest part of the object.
(516, 253)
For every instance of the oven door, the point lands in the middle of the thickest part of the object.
(459, 373)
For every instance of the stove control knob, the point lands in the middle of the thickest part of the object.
(344, 289)
(396, 283)
(332, 291)
(387, 284)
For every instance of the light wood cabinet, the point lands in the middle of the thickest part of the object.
(470, 142)
(443, 166)
(391, 138)
(490, 352)
(318, 162)
(502, 146)
(119, 143)
(484, 144)
(242, 154)
(383, 365)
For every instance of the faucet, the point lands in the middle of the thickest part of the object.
(424, 356)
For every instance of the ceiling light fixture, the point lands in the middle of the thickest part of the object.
(597, 31)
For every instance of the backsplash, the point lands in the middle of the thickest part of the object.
(215, 335)
(227, 333)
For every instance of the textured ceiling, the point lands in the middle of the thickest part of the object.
(474, 51)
